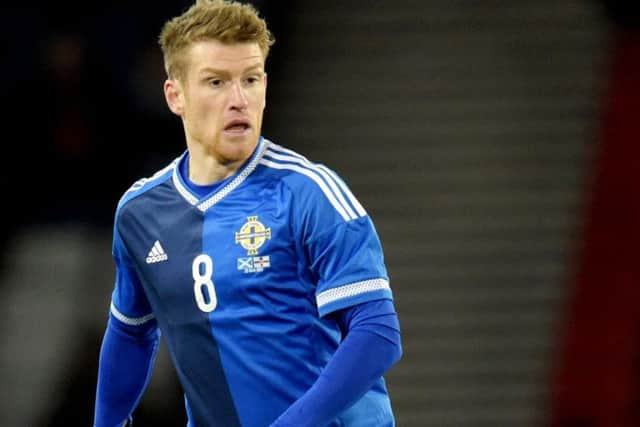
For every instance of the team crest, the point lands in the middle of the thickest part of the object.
(252, 235)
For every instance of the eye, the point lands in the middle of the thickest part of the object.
(253, 79)
(216, 82)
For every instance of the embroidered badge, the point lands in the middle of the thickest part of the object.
(252, 235)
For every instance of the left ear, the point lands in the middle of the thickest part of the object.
(174, 96)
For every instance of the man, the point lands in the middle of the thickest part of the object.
(262, 270)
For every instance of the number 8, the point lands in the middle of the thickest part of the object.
(202, 282)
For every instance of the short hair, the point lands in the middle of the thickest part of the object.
(223, 20)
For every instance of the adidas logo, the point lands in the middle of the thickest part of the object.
(156, 254)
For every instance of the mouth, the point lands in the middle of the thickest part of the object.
(237, 127)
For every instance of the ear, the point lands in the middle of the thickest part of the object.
(174, 96)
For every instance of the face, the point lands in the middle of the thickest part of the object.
(221, 100)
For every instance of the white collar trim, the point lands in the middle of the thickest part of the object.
(222, 192)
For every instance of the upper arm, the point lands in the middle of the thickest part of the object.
(342, 248)
(129, 303)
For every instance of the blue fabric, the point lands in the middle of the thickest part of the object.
(200, 190)
(128, 296)
(127, 357)
(371, 327)
(281, 248)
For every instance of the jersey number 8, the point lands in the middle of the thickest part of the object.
(203, 289)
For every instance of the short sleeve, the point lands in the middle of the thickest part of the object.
(342, 246)
(349, 264)
(129, 303)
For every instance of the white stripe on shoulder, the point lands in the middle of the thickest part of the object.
(356, 204)
(133, 321)
(327, 178)
(315, 178)
(141, 182)
(352, 289)
(333, 177)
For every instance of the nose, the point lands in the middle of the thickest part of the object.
(238, 97)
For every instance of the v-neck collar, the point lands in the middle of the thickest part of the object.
(219, 193)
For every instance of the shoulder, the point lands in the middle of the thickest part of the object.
(143, 185)
(310, 181)
(297, 171)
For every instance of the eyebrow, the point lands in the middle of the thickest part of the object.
(226, 72)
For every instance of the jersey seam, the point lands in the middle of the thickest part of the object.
(148, 184)
(333, 228)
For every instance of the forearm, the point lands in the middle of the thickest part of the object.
(350, 373)
(126, 362)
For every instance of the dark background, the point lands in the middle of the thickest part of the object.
(494, 143)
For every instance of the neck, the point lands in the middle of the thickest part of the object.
(208, 167)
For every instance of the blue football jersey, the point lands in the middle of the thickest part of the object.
(240, 283)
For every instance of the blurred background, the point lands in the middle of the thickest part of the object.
(494, 143)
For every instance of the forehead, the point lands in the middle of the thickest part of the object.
(220, 56)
